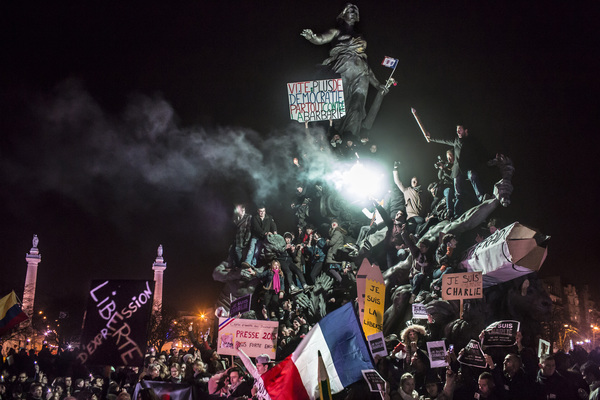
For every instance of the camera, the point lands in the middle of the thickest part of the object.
(439, 163)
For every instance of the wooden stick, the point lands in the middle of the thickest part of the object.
(420, 124)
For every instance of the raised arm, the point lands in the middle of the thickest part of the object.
(323, 38)
(397, 180)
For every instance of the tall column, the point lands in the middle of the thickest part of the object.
(159, 267)
(33, 258)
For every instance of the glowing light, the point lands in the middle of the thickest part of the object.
(358, 181)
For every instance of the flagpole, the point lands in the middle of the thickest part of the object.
(390, 81)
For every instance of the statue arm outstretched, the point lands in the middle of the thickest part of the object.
(323, 38)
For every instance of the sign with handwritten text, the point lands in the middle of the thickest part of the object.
(116, 322)
(462, 285)
(255, 337)
(316, 100)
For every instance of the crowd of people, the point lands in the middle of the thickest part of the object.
(322, 256)
(510, 373)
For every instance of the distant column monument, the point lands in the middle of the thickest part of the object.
(33, 258)
(159, 267)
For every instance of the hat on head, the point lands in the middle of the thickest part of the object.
(263, 359)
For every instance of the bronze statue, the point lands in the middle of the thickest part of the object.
(347, 57)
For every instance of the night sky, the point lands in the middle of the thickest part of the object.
(124, 125)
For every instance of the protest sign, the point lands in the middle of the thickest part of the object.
(316, 100)
(437, 354)
(116, 322)
(240, 305)
(543, 348)
(462, 285)
(371, 297)
(501, 334)
(375, 381)
(419, 311)
(255, 337)
(508, 253)
(472, 355)
(377, 344)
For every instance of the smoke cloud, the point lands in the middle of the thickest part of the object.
(99, 159)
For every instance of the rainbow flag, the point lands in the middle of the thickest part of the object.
(10, 313)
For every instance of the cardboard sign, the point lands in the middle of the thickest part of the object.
(371, 297)
(316, 100)
(437, 354)
(256, 337)
(375, 381)
(419, 311)
(473, 355)
(507, 254)
(462, 285)
(377, 344)
(543, 348)
(241, 305)
(116, 322)
(501, 334)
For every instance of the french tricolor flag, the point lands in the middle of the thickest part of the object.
(340, 340)
(390, 62)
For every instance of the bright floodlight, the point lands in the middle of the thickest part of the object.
(359, 182)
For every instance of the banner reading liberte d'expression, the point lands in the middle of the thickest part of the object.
(316, 100)
(116, 322)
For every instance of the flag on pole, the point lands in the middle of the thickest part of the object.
(324, 387)
(390, 62)
(11, 313)
(344, 352)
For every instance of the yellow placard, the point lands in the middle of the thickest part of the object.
(374, 307)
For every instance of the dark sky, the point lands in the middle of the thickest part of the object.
(124, 125)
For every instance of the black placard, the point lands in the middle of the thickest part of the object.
(116, 322)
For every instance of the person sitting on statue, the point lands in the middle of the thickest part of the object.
(423, 264)
(396, 249)
(262, 225)
(447, 261)
(288, 265)
(349, 148)
(347, 57)
(315, 255)
(438, 210)
(416, 203)
(467, 153)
